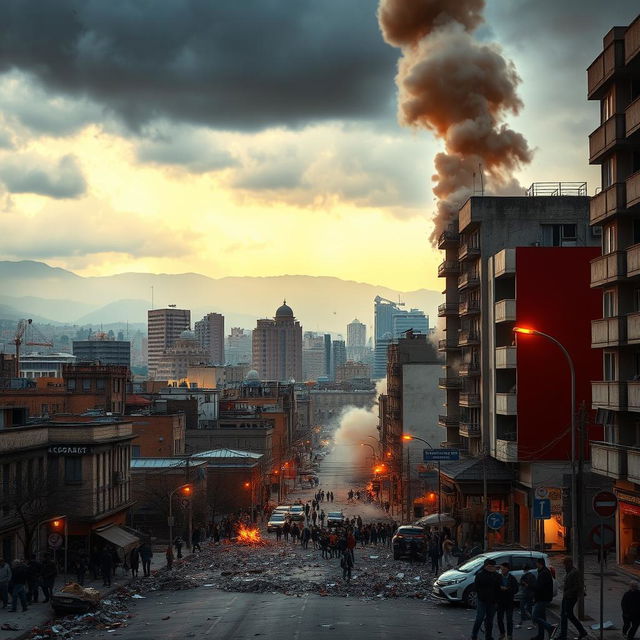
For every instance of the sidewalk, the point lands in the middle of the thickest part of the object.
(38, 615)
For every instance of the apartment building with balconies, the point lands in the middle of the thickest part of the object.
(614, 81)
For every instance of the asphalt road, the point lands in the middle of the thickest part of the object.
(207, 613)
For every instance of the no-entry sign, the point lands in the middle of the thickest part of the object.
(605, 504)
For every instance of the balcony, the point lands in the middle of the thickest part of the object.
(448, 421)
(633, 261)
(606, 136)
(505, 311)
(609, 460)
(608, 332)
(633, 464)
(447, 309)
(469, 307)
(633, 190)
(469, 370)
(506, 358)
(602, 69)
(608, 202)
(448, 239)
(469, 429)
(448, 268)
(507, 404)
(609, 395)
(505, 263)
(467, 252)
(469, 400)
(632, 41)
(608, 268)
(633, 328)
(633, 395)
(448, 344)
(507, 450)
(632, 118)
(468, 281)
(468, 338)
(453, 382)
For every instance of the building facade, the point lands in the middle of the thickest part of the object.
(210, 334)
(356, 340)
(164, 327)
(614, 81)
(100, 348)
(338, 356)
(185, 352)
(44, 365)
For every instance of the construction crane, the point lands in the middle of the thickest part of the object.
(378, 299)
(19, 339)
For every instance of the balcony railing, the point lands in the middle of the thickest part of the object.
(606, 136)
(633, 327)
(600, 70)
(506, 358)
(452, 382)
(633, 395)
(632, 41)
(608, 332)
(448, 344)
(507, 404)
(633, 464)
(447, 309)
(609, 460)
(505, 263)
(468, 338)
(507, 450)
(469, 369)
(448, 268)
(468, 307)
(608, 202)
(470, 429)
(469, 400)
(468, 252)
(633, 190)
(632, 117)
(608, 268)
(633, 261)
(468, 280)
(448, 239)
(609, 395)
(448, 421)
(505, 311)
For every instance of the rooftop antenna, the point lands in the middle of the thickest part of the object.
(481, 179)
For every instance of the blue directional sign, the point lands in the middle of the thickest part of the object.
(495, 520)
(442, 455)
(541, 508)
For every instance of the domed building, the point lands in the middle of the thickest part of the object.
(277, 346)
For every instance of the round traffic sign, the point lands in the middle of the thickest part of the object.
(495, 520)
(542, 493)
(605, 503)
(605, 536)
(185, 503)
(55, 540)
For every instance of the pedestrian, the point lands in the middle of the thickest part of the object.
(448, 560)
(572, 589)
(134, 561)
(322, 517)
(216, 534)
(506, 594)
(177, 543)
(314, 517)
(543, 594)
(351, 545)
(434, 553)
(278, 533)
(286, 530)
(305, 536)
(19, 578)
(169, 556)
(487, 585)
(34, 579)
(527, 592)
(5, 578)
(106, 566)
(49, 574)
(346, 562)
(81, 569)
(630, 604)
(195, 540)
(146, 553)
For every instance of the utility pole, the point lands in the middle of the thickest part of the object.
(485, 497)
(408, 486)
(579, 499)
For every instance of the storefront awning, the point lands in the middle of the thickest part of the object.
(117, 536)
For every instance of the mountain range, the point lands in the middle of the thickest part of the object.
(321, 303)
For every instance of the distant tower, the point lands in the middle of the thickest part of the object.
(338, 356)
(210, 334)
(356, 340)
(164, 328)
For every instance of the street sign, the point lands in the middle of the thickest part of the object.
(605, 504)
(542, 509)
(495, 520)
(55, 540)
(542, 493)
(442, 455)
(185, 502)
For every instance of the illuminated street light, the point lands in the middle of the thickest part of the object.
(407, 437)
(186, 491)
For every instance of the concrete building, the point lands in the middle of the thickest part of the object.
(100, 348)
(277, 347)
(44, 365)
(384, 311)
(413, 319)
(185, 352)
(353, 372)
(525, 260)
(356, 340)
(210, 334)
(328, 404)
(338, 356)
(313, 365)
(158, 435)
(327, 355)
(614, 81)
(164, 328)
(238, 349)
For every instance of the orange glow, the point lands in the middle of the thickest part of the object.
(523, 330)
(56, 524)
(247, 485)
(381, 468)
(431, 496)
(406, 436)
(250, 536)
(388, 454)
(186, 490)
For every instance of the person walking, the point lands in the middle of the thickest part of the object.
(572, 588)
(5, 577)
(134, 561)
(322, 517)
(543, 594)
(106, 566)
(146, 553)
(506, 594)
(630, 604)
(286, 530)
(34, 579)
(177, 543)
(169, 556)
(49, 575)
(434, 553)
(487, 586)
(19, 578)
(346, 562)
(527, 590)
(447, 553)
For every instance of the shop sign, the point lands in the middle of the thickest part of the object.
(70, 449)
(631, 509)
(631, 498)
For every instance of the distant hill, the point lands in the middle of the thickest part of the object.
(320, 303)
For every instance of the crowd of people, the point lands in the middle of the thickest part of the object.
(24, 580)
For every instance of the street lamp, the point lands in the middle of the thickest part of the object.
(58, 525)
(408, 438)
(373, 451)
(249, 485)
(187, 491)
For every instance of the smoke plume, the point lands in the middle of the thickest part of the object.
(462, 90)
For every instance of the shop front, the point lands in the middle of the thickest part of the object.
(628, 529)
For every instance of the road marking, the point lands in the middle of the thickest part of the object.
(296, 635)
(227, 608)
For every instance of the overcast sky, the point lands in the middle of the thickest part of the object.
(255, 137)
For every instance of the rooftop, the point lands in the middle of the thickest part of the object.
(227, 453)
(164, 463)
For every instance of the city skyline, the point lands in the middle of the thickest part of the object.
(339, 177)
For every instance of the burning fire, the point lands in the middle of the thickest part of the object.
(248, 535)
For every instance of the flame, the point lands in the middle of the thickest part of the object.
(248, 535)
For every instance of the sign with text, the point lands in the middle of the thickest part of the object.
(440, 455)
(70, 449)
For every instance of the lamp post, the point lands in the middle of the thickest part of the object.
(407, 438)
(187, 488)
(56, 520)
(373, 451)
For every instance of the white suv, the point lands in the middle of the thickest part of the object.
(457, 585)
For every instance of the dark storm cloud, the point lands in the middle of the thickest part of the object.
(32, 174)
(236, 65)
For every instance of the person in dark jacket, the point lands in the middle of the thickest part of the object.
(49, 574)
(106, 566)
(572, 588)
(508, 589)
(134, 561)
(19, 578)
(34, 579)
(146, 554)
(543, 594)
(346, 562)
(527, 590)
(487, 585)
(630, 604)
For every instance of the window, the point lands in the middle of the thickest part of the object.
(86, 384)
(100, 386)
(73, 470)
(135, 450)
(610, 366)
(71, 384)
(607, 107)
(609, 240)
(520, 563)
(607, 173)
(559, 235)
(608, 304)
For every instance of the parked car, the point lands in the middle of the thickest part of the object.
(296, 513)
(276, 520)
(335, 519)
(282, 508)
(410, 541)
(457, 585)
